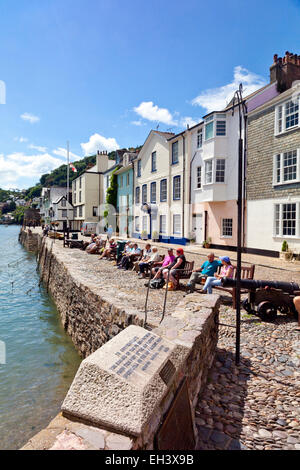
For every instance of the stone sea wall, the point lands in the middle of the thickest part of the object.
(92, 317)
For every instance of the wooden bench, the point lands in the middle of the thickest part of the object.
(246, 273)
(184, 273)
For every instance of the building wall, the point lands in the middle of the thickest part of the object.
(260, 223)
(165, 170)
(125, 199)
(262, 194)
(262, 146)
(218, 199)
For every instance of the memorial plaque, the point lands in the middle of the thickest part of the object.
(120, 385)
(177, 431)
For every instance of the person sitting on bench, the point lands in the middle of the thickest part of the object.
(226, 271)
(94, 247)
(107, 253)
(167, 261)
(143, 265)
(128, 259)
(207, 269)
(146, 256)
(178, 264)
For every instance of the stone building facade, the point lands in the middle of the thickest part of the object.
(273, 174)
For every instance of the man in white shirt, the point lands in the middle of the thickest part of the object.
(143, 265)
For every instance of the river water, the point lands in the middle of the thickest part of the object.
(41, 360)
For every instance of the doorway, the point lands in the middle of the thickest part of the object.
(198, 227)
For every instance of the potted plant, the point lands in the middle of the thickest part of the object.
(144, 235)
(284, 249)
(192, 237)
(207, 243)
(155, 236)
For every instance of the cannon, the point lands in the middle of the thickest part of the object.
(266, 298)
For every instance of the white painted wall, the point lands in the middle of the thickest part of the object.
(260, 225)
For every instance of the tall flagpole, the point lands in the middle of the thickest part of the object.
(68, 181)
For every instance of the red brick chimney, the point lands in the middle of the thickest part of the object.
(285, 70)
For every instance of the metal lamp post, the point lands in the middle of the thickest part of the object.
(242, 108)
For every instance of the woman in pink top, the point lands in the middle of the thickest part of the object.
(168, 260)
(226, 271)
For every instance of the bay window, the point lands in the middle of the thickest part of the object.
(208, 171)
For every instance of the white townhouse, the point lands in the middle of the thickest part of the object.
(62, 211)
(50, 196)
(159, 183)
(88, 191)
(214, 178)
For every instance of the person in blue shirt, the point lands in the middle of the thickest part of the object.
(208, 269)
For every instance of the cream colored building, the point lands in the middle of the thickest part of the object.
(160, 182)
(87, 191)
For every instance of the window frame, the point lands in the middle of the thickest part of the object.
(175, 179)
(200, 138)
(139, 168)
(144, 193)
(210, 160)
(175, 162)
(199, 184)
(223, 235)
(216, 170)
(161, 225)
(138, 195)
(279, 170)
(164, 180)
(153, 160)
(279, 222)
(137, 227)
(174, 225)
(281, 116)
(153, 200)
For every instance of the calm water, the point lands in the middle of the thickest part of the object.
(40, 358)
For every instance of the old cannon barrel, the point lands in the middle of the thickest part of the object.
(289, 287)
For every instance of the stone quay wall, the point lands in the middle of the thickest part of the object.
(92, 317)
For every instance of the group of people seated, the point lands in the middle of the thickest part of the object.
(208, 273)
(149, 260)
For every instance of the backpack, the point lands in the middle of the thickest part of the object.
(157, 283)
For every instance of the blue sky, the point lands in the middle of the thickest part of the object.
(102, 74)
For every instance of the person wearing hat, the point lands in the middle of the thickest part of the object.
(207, 269)
(226, 271)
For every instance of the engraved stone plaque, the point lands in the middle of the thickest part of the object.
(120, 385)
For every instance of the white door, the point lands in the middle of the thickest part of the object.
(198, 227)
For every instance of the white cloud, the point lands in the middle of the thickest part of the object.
(151, 112)
(138, 123)
(62, 152)
(188, 121)
(98, 142)
(215, 99)
(38, 148)
(21, 139)
(30, 118)
(16, 168)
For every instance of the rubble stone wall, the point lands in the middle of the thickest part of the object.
(92, 318)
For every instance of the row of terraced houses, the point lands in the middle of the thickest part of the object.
(183, 186)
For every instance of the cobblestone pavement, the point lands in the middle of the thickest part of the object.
(255, 405)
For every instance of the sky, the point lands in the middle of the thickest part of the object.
(102, 73)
